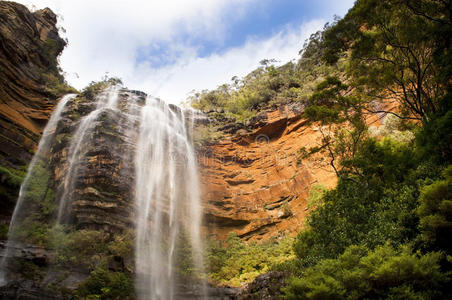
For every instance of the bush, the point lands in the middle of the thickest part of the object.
(10, 181)
(4, 231)
(31, 231)
(235, 263)
(11, 177)
(368, 210)
(435, 212)
(383, 273)
(266, 85)
(103, 284)
(316, 194)
(85, 248)
(57, 85)
(96, 87)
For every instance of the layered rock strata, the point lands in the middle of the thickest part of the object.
(256, 182)
(29, 46)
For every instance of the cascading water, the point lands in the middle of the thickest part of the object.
(26, 209)
(89, 145)
(41, 157)
(167, 201)
(105, 101)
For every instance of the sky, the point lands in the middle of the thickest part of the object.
(169, 48)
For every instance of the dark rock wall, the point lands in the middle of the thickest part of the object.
(102, 198)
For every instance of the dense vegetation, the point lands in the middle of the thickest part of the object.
(381, 233)
(384, 231)
(233, 262)
(267, 85)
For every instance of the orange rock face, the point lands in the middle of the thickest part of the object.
(257, 184)
(25, 105)
(29, 45)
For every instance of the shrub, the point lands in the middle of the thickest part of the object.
(103, 284)
(86, 248)
(435, 212)
(4, 231)
(235, 262)
(360, 273)
(95, 87)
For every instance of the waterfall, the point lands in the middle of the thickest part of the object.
(167, 200)
(107, 100)
(153, 148)
(41, 155)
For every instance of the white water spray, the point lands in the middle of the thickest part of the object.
(105, 101)
(167, 200)
(42, 154)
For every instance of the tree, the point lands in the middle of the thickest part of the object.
(383, 273)
(435, 212)
(332, 104)
(397, 51)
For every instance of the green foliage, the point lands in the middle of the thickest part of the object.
(122, 245)
(370, 209)
(267, 85)
(435, 212)
(321, 113)
(235, 262)
(382, 273)
(32, 224)
(50, 51)
(52, 78)
(11, 177)
(4, 231)
(434, 139)
(395, 129)
(38, 190)
(316, 194)
(10, 181)
(32, 231)
(95, 87)
(104, 284)
(205, 134)
(397, 49)
(382, 162)
(27, 269)
(87, 248)
(56, 85)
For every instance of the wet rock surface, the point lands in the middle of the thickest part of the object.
(103, 194)
(26, 263)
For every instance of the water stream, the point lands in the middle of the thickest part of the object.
(167, 201)
(105, 101)
(41, 157)
(167, 209)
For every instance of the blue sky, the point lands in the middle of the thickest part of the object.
(169, 48)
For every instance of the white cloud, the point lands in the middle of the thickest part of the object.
(173, 83)
(104, 36)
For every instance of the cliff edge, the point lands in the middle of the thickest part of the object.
(29, 78)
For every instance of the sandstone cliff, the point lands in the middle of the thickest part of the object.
(29, 46)
(256, 182)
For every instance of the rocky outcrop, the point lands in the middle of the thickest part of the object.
(29, 46)
(29, 264)
(256, 181)
(265, 287)
(103, 191)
